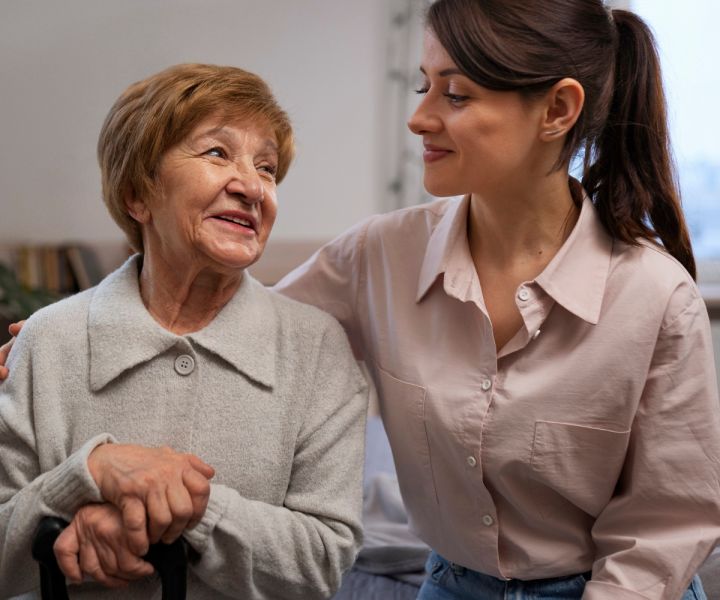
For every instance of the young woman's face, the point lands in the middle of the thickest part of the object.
(476, 140)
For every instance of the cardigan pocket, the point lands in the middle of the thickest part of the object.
(579, 462)
(403, 413)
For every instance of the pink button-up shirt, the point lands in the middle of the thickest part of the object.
(590, 441)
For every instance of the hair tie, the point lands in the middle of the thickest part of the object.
(609, 11)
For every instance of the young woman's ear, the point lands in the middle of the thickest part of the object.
(564, 103)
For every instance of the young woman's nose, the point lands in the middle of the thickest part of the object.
(424, 119)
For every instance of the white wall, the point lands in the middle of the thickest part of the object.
(715, 325)
(62, 64)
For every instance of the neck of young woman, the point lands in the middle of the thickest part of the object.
(184, 296)
(523, 225)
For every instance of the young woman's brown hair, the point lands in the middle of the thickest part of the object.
(530, 46)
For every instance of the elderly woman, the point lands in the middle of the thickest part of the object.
(116, 393)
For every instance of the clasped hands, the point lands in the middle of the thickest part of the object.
(151, 495)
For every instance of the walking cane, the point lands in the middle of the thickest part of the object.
(169, 561)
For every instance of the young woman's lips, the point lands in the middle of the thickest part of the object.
(434, 153)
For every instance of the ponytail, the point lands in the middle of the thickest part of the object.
(629, 171)
(529, 46)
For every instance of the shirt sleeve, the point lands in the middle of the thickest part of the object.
(664, 518)
(300, 549)
(331, 279)
(27, 492)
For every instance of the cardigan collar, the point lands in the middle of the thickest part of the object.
(122, 334)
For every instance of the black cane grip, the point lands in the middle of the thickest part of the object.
(52, 580)
(169, 560)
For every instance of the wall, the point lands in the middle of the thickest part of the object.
(716, 343)
(62, 64)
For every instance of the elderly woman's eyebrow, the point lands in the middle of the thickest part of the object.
(223, 131)
(271, 146)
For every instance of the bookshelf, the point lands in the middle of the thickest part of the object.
(61, 269)
(34, 275)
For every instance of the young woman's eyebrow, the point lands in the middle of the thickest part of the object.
(445, 72)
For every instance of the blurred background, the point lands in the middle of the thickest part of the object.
(343, 69)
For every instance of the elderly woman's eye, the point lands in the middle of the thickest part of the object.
(216, 151)
(269, 169)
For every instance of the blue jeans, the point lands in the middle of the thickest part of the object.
(448, 581)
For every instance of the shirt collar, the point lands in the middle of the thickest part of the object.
(448, 238)
(122, 334)
(575, 277)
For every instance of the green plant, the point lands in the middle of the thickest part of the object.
(18, 302)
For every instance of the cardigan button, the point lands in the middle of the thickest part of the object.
(184, 364)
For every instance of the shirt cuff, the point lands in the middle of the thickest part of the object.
(600, 590)
(199, 536)
(70, 485)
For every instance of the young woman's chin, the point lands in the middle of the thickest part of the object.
(440, 188)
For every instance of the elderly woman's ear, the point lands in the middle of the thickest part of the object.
(137, 208)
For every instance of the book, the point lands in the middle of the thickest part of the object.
(84, 266)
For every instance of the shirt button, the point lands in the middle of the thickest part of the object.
(488, 520)
(184, 364)
(486, 385)
(471, 461)
(523, 294)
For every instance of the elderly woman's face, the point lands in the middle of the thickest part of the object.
(217, 201)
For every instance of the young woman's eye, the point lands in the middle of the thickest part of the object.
(422, 90)
(455, 98)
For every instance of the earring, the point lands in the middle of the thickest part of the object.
(553, 132)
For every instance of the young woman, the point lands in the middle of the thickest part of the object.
(541, 352)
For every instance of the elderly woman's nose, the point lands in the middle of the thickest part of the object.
(246, 183)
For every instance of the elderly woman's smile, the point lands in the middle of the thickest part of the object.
(217, 199)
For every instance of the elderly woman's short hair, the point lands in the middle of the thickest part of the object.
(156, 113)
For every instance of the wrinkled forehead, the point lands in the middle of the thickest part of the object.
(236, 126)
(234, 129)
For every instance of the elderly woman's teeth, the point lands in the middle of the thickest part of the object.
(244, 222)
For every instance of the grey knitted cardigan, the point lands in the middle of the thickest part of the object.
(274, 402)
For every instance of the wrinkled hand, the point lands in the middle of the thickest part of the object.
(14, 329)
(95, 544)
(159, 492)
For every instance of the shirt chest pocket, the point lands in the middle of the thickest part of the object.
(579, 462)
(402, 406)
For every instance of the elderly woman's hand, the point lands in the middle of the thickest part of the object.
(159, 492)
(14, 329)
(95, 544)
